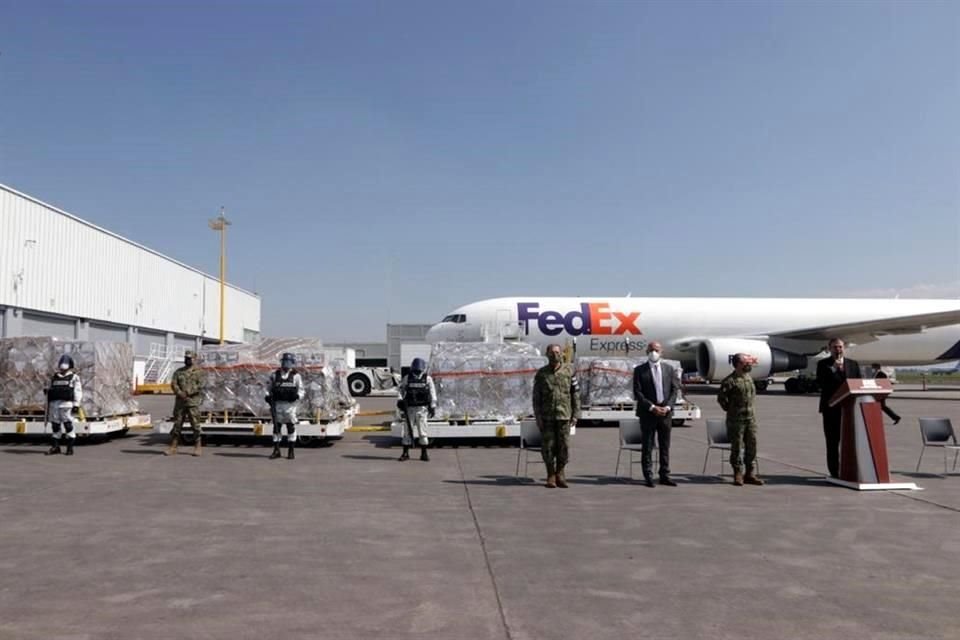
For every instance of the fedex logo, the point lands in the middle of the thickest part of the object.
(593, 318)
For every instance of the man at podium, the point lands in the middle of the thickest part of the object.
(832, 372)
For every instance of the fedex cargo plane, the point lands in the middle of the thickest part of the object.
(704, 333)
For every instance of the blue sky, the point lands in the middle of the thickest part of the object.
(388, 161)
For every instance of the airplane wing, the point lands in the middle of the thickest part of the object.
(854, 332)
(871, 330)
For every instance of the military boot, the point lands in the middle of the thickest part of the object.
(69, 447)
(405, 455)
(54, 449)
(172, 449)
(738, 478)
(198, 448)
(276, 451)
(551, 481)
(752, 479)
(423, 454)
(290, 455)
(561, 480)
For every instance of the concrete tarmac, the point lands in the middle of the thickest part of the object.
(346, 542)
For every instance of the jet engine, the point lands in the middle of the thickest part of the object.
(715, 358)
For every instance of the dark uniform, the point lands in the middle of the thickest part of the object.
(187, 385)
(737, 393)
(556, 403)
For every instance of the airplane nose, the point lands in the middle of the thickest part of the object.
(434, 334)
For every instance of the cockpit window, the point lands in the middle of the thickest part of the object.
(457, 318)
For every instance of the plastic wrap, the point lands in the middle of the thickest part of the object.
(608, 382)
(484, 380)
(105, 369)
(236, 378)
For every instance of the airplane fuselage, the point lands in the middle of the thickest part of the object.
(617, 326)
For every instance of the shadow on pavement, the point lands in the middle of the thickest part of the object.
(225, 454)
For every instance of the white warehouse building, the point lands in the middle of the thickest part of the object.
(115, 289)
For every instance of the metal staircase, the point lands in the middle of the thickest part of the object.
(161, 362)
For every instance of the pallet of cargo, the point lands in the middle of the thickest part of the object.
(226, 423)
(682, 412)
(466, 427)
(31, 423)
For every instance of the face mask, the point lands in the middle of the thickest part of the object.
(188, 361)
(553, 357)
(654, 356)
(747, 368)
(64, 366)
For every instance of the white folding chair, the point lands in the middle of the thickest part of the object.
(938, 432)
(631, 439)
(530, 440)
(717, 439)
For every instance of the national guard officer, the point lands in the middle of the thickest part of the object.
(556, 406)
(737, 393)
(64, 394)
(284, 391)
(418, 401)
(188, 387)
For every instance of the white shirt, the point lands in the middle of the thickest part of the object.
(657, 380)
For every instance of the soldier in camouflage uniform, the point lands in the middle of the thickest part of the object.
(737, 393)
(556, 406)
(188, 387)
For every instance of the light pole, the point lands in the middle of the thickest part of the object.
(220, 223)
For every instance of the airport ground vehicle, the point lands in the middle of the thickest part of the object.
(315, 430)
(34, 424)
(362, 380)
(682, 412)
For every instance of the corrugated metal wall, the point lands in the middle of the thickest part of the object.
(109, 332)
(37, 325)
(145, 339)
(116, 281)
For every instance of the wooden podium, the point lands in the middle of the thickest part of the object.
(863, 444)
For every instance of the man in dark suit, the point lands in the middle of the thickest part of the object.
(655, 389)
(832, 372)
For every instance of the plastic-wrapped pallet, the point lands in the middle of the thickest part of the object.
(484, 380)
(237, 377)
(105, 370)
(607, 382)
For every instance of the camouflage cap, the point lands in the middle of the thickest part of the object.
(189, 353)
